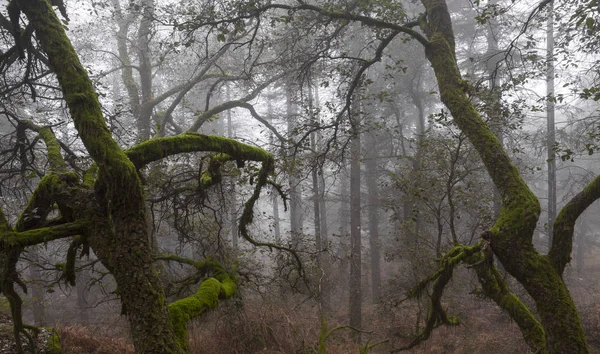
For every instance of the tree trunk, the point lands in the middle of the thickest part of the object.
(342, 247)
(374, 210)
(511, 237)
(83, 308)
(233, 215)
(550, 122)
(37, 288)
(355, 237)
(274, 195)
(145, 70)
(120, 237)
(127, 255)
(295, 188)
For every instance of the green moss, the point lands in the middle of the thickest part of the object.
(89, 177)
(12, 239)
(206, 298)
(159, 148)
(57, 163)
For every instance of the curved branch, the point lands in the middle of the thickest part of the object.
(256, 116)
(368, 21)
(495, 288)
(231, 104)
(33, 237)
(159, 148)
(221, 286)
(55, 158)
(564, 225)
(248, 212)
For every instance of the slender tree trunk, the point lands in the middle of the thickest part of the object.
(415, 94)
(355, 237)
(274, 194)
(494, 97)
(37, 288)
(318, 203)
(127, 72)
(550, 121)
(342, 250)
(83, 308)
(295, 192)
(374, 210)
(233, 216)
(145, 70)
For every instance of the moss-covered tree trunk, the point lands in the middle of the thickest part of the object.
(120, 239)
(512, 235)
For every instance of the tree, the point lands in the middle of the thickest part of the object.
(511, 237)
(105, 208)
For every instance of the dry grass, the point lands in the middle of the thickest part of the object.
(80, 340)
(260, 327)
(274, 326)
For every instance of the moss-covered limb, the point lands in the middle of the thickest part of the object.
(495, 288)
(159, 148)
(437, 315)
(248, 212)
(77, 87)
(33, 237)
(206, 298)
(450, 260)
(520, 206)
(564, 225)
(52, 188)
(11, 245)
(55, 158)
(242, 102)
(83, 104)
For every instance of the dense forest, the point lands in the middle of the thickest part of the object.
(290, 176)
